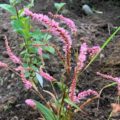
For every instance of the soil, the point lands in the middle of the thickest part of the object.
(94, 30)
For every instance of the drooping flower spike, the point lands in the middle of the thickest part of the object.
(54, 28)
(82, 56)
(94, 50)
(28, 85)
(12, 56)
(46, 75)
(3, 65)
(83, 95)
(79, 66)
(67, 21)
(115, 79)
(40, 51)
(86, 93)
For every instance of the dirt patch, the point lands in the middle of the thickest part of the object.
(95, 29)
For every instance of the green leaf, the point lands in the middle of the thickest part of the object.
(14, 2)
(27, 74)
(46, 56)
(16, 24)
(47, 37)
(21, 26)
(40, 79)
(9, 8)
(31, 4)
(37, 34)
(47, 113)
(50, 49)
(71, 103)
(23, 52)
(34, 68)
(59, 6)
(61, 85)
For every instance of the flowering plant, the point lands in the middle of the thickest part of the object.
(61, 104)
(30, 35)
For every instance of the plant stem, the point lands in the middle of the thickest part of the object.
(62, 103)
(109, 85)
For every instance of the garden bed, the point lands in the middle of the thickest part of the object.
(94, 30)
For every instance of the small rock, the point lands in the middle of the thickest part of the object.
(12, 100)
(18, 105)
(1, 108)
(2, 37)
(14, 118)
(12, 75)
(5, 28)
(10, 86)
(87, 10)
(5, 54)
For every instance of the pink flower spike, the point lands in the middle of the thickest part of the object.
(27, 12)
(30, 103)
(82, 56)
(4, 65)
(72, 93)
(115, 79)
(94, 50)
(28, 84)
(53, 28)
(84, 94)
(20, 68)
(46, 75)
(67, 21)
(73, 97)
(13, 57)
(40, 51)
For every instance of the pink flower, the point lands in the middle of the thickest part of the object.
(72, 93)
(82, 95)
(4, 65)
(82, 57)
(94, 50)
(46, 75)
(67, 21)
(28, 84)
(115, 79)
(73, 97)
(80, 65)
(53, 28)
(40, 51)
(20, 68)
(56, 30)
(108, 76)
(30, 103)
(86, 93)
(12, 56)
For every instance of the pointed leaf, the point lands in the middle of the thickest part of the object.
(59, 6)
(9, 8)
(40, 79)
(50, 49)
(47, 113)
(71, 103)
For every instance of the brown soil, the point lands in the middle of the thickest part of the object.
(95, 30)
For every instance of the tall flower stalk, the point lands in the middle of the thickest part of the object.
(56, 107)
(54, 28)
(79, 66)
